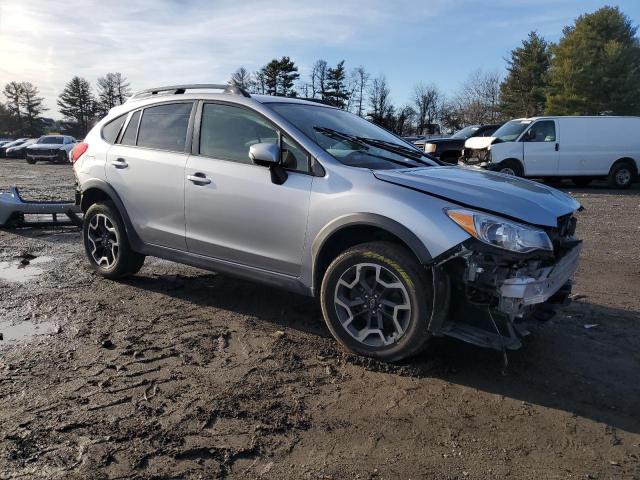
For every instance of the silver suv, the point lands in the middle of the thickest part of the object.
(313, 199)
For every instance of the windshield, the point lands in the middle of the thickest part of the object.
(465, 133)
(511, 130)
(50, 140)
(350, 139)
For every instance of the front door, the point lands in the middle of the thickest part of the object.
(541, 149)
(234, 211)
(146, 168)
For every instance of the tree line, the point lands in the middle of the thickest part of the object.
(593, 69)
(21, 115)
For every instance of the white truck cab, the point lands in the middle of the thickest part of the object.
(580, 148)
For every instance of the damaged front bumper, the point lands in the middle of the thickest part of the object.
(498, 295)
(516, 294)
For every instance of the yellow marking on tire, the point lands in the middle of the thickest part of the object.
(390, 262)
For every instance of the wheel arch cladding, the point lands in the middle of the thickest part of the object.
(353, 229)
(94, 191)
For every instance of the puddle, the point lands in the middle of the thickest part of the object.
(22, 270)
(22, 331)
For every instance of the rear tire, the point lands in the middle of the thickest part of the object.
(511, 167)
(376, 299)
(106, 244)
(621, 175)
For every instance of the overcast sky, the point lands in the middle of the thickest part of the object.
(162, 42)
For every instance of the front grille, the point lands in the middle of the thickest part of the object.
(473, 156)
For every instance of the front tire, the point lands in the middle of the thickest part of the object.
(621, 175)
(31, 161)
(376, 299)
(106, 244)
(511, 167)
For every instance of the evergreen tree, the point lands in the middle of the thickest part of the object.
(595, 68)
(13, 91)
(523, 90)
(78, 106)
(279, 76)
(336, 92)
(32, 108)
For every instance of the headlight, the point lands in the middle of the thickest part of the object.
(429, 147)
(499, 232)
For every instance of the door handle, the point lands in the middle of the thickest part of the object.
(119, 163)
(557, 147)
(199, 179)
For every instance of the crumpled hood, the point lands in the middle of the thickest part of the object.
(478, 143)
(506, 195)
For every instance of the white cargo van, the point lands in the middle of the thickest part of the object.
(580, 148)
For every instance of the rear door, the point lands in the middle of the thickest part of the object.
(146, 168)
(540, 149)
(234, 211)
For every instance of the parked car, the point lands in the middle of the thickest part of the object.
(51, 148)
(579, 148)
(5, 141)
(449, 150)
(4, 147)
(19, 151)
(316, 200)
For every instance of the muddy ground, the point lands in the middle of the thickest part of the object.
(181, 373)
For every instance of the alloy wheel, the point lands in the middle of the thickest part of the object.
(104, 240)
(372, 304)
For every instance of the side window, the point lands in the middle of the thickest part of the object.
(543, 131)
(111, 130)
(129, 137)
(227, 132)
(165, 126)
(293, 157)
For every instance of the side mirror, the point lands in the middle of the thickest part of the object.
(264, 154)
(530, 135)
(268, 155)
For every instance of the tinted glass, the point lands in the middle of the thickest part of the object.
(542, 132)
(129, 137)
(227, 132)
(110, 130)
(511, 130)
(165, 126)
(293, 157)
(465, 133)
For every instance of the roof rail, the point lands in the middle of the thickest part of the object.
(179, 89)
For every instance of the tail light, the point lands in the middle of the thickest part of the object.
(78, 150)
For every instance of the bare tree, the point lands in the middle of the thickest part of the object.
(427, 101)
(478, 102)
(319, 74)
(242, 78)
(113, 90)
(357, 86)
(403, 120)
(381, 112)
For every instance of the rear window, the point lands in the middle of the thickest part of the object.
(111, 130)
(165, 126)
(129, 137)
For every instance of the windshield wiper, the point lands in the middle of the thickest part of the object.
(395, 148)
(382, 144)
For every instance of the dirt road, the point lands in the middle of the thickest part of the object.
(181, 373)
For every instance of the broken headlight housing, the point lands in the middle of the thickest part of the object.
(500, 232)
